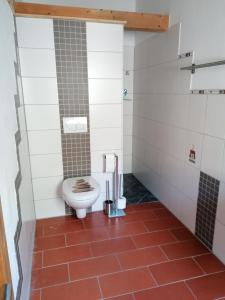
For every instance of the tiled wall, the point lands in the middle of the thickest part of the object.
(71, 66)
(168, 122)
(38, 68)
(45, 102)
(206, 208)
(16, 195)
(128, 73)
(105, 81)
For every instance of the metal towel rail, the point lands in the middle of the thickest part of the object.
(193, 67)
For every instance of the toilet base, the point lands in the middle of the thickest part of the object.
(81, 213)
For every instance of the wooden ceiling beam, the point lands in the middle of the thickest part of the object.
(131, 20)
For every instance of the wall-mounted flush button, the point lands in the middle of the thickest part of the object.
(75, 125)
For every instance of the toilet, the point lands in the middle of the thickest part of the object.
(80, 201)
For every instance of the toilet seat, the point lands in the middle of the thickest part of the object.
(68, 193)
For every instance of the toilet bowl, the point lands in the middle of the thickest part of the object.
(80, 201)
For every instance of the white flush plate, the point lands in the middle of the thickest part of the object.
(75, 125)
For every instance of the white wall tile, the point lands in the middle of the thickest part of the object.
(152, 51)
(188, 213)
(190, 181)
(177, 110)
(127, 164)
(37, 62)
(127, 144)
(40, 90)
(219, 241)
(105, 91)
(223, 168)
(35, 33)
(172, 170)
(105, 115)
(46, 165)
(97, 163)
(49, 208)
(194, 141)
(212, 156)
(128, 57)
(215, 124)
(105, 138)
(44, 142)
(197, 112)
(128, 107)
(47, 188)
(128, 81)
(105, 65)
(104, 37)
(42, 117)
(221, 204)
(127, 125)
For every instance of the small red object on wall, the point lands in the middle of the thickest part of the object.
(192, 155)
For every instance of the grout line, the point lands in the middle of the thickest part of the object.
(91, 250)
(68, 270)
(42, 259)
(152, 275)
(167, 257)
(117, 258)
(100, 288)
(189, 288)
(200, 267)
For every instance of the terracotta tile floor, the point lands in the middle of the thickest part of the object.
(146, 255)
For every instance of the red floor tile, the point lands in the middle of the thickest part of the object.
(210, 263)
(54, 220)
(49, 242)
(100, 220)
(129, 208)
(126, 282)
(182, 234)
(184, 249)
(80, 290)
(141, 257)
(175, 271)
(35, 295)
(153, 239)
(60, 228)
(125, 257)
(208, 287)
(38, 231)
(176, 291)
(49, 276)
(139, 216)
(67, 254)
(162, 213)
(93, 267)
(125, 297)
(86, 236)
(161, 224)
(126, 229)
(37, 260)
(112, 246)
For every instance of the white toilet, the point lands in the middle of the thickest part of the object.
(80, 201)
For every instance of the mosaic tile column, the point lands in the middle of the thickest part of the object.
(207, 208)
(72, 77)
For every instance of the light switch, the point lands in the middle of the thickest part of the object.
(75, 125)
